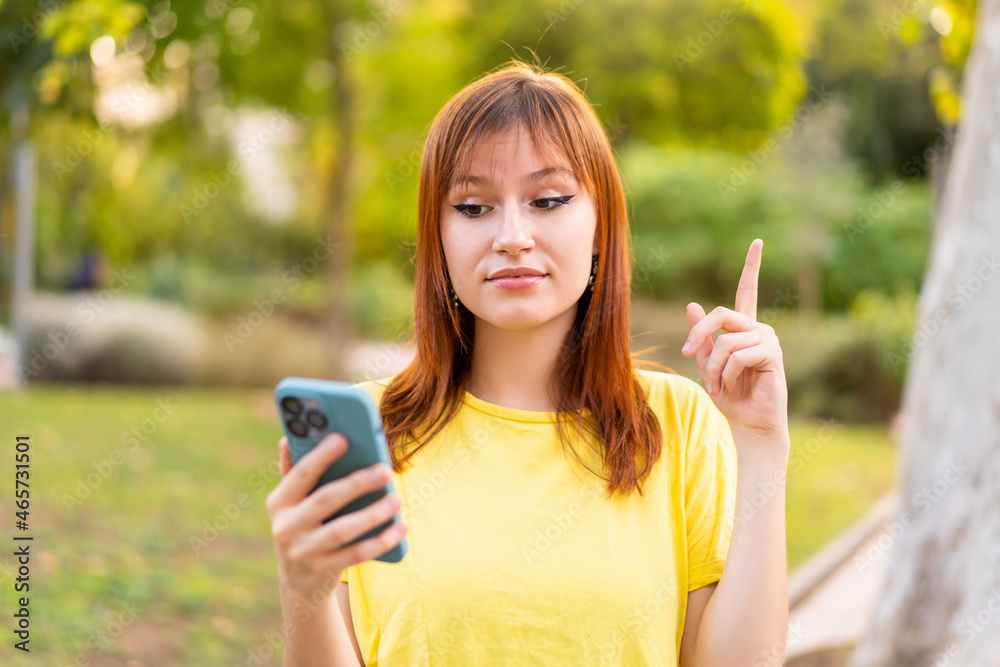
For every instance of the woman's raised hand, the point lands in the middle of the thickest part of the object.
(311, 554)
(743, 369)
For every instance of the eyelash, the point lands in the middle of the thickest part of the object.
(558, 201)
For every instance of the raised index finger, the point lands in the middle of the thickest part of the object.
(746, 293)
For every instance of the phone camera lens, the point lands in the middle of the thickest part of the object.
(316, 418)
(292, 405)
(298, 428)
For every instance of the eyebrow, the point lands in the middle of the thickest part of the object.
(474, 179)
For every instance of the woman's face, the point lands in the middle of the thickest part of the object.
(518, 212)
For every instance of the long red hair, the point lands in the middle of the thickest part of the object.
(595, 368)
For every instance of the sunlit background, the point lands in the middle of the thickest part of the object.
(201, 198)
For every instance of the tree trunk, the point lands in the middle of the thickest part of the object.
(941, 600)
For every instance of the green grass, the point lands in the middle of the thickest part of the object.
(835, 473)
(130, 539)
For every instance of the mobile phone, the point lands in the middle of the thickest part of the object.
(312, 409)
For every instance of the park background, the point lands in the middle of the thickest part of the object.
(222, 193)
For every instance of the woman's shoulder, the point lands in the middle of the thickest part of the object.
(660, 385)
(682, 404)
(375, 387)
(676, 399)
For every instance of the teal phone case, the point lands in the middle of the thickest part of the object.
(349, 411)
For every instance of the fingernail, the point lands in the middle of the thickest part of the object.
(334, 442)
(708, 388)
(686, 348)
(377, 473)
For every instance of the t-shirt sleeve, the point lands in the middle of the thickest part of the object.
(710, 492)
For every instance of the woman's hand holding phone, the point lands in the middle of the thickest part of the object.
(311, 554)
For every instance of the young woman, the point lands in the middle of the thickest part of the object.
(562, 507)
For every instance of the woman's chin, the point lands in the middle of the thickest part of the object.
(521, 316)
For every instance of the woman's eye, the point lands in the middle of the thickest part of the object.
(469, 210)
(544, 204)
(549, 203)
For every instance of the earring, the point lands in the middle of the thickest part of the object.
(593, 274)
(454, 296)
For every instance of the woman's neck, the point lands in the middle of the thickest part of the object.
(516, 368)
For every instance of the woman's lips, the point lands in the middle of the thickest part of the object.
(516, 282)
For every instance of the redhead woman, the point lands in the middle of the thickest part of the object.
(561, 505)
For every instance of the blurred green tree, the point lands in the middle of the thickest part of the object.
(899, 64)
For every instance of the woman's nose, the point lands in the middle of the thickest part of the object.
(514, 234)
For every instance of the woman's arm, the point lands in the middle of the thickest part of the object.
(316, 634)
(310, 562)
(344, 599)
(745, 618)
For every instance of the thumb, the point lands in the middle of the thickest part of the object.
(695, 313)
(284, 456)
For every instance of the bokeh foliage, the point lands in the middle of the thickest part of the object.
(813, 125)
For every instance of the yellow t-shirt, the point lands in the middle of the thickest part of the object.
(516, 557)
